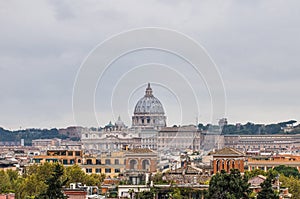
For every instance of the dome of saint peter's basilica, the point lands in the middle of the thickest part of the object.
(149, 112)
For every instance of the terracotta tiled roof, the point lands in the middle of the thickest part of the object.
(140, 150)
(227, 151)
(188, 170)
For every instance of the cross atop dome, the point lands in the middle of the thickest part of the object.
(148, 91)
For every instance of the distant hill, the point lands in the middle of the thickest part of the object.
(256, 129)
(71, 133)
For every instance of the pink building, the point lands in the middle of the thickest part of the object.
(7, 196)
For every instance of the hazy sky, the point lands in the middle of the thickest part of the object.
(255, 45)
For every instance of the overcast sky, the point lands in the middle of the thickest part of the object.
(255, 45)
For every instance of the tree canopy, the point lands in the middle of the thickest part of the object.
(45, 181)
(228, 186)
(267, 191)
(287, 171)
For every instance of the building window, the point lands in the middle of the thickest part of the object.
(98, 170)
(117, 161)
(72, 161)
(77, 153)
(79, 161)
(117, 170)
(65, 161)
(133, 164)
(145, 165)
(98, 161)
(89, 161)
(107, 170)
(88, 170)
(70, 153)
(107, 161)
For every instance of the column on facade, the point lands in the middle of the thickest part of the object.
(242, 166)
(215, 166)
(225, 165)
(234, 163)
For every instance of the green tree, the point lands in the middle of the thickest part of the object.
(146, 195)
(32, 183)
(131, 193)
(273, 129)
(293, 184)
(176, 194)
(30, 186)
(54, 183)
(158, 178)
(228, 186)
(75, 174)
(267, 190)
(255, 172)
(94, 179)
(287, 171)
(5, 184)
(13, 175)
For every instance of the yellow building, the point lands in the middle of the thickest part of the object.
(65, 157)
(110, 164)
(266, 163)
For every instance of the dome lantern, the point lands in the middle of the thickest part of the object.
(148, 91)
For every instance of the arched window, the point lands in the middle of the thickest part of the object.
(146, 165)
(228, 165)
(133, 164)
(218, 165)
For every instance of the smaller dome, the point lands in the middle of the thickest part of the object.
(119, 122)
(109, 125)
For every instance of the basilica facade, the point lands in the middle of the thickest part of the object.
(148, 118)
(112, 137)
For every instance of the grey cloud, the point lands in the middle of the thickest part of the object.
(254, 43)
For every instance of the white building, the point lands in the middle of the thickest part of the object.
(111, 137)
(148, 118)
